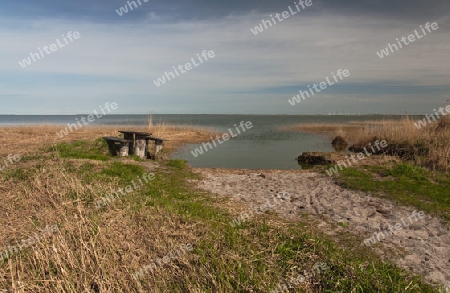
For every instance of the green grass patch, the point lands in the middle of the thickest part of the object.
(343, 224)
(124, 172)
(180, 164)
(404, 183)
(96, 150)
(257, 256)
(19, 174)
(33, 158)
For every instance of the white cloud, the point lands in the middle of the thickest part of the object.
(301, 49)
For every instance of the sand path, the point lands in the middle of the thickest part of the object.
(423, 244)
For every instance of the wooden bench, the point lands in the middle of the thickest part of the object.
(118, 146)
(134, 142)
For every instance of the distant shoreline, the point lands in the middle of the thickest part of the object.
(218, 114)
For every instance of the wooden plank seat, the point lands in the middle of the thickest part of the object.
(118, 146)
(116, 139)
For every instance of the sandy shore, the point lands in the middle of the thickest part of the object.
(422, 243)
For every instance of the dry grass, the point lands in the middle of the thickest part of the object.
(29, 139)
(428, 146)
(93, 252)
(98, 250)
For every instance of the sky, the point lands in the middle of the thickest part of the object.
(117, 58)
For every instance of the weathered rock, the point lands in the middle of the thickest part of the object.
(339, 144)
(315, 158)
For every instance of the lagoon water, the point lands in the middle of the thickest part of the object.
(263, 146)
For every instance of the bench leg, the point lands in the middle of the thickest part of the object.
(123, 151)
(140, 148)
(112, 148)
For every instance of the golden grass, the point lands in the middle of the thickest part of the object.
(99, 250)
(430, 145)
(87, 254)
(29, 139)
(96, 250)
(92, 252)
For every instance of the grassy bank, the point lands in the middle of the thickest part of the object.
(403, 183)
(419, 179)
(98, 250)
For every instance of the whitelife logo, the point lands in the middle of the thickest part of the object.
(323, 85)
(423, 123)
(199, 151)
(35, 56)
(48, 231)
(284, 15)
(359, 157)
(11, 159)
(188, 66)
(281, 198)
(124, 9)
(378, 236)
(411, 38)
(111, 197)
(90, 118)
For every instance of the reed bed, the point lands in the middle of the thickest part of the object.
(428, 146)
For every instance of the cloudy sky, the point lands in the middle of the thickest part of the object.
(117, 57)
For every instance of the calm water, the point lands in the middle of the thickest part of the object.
(261, 147)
